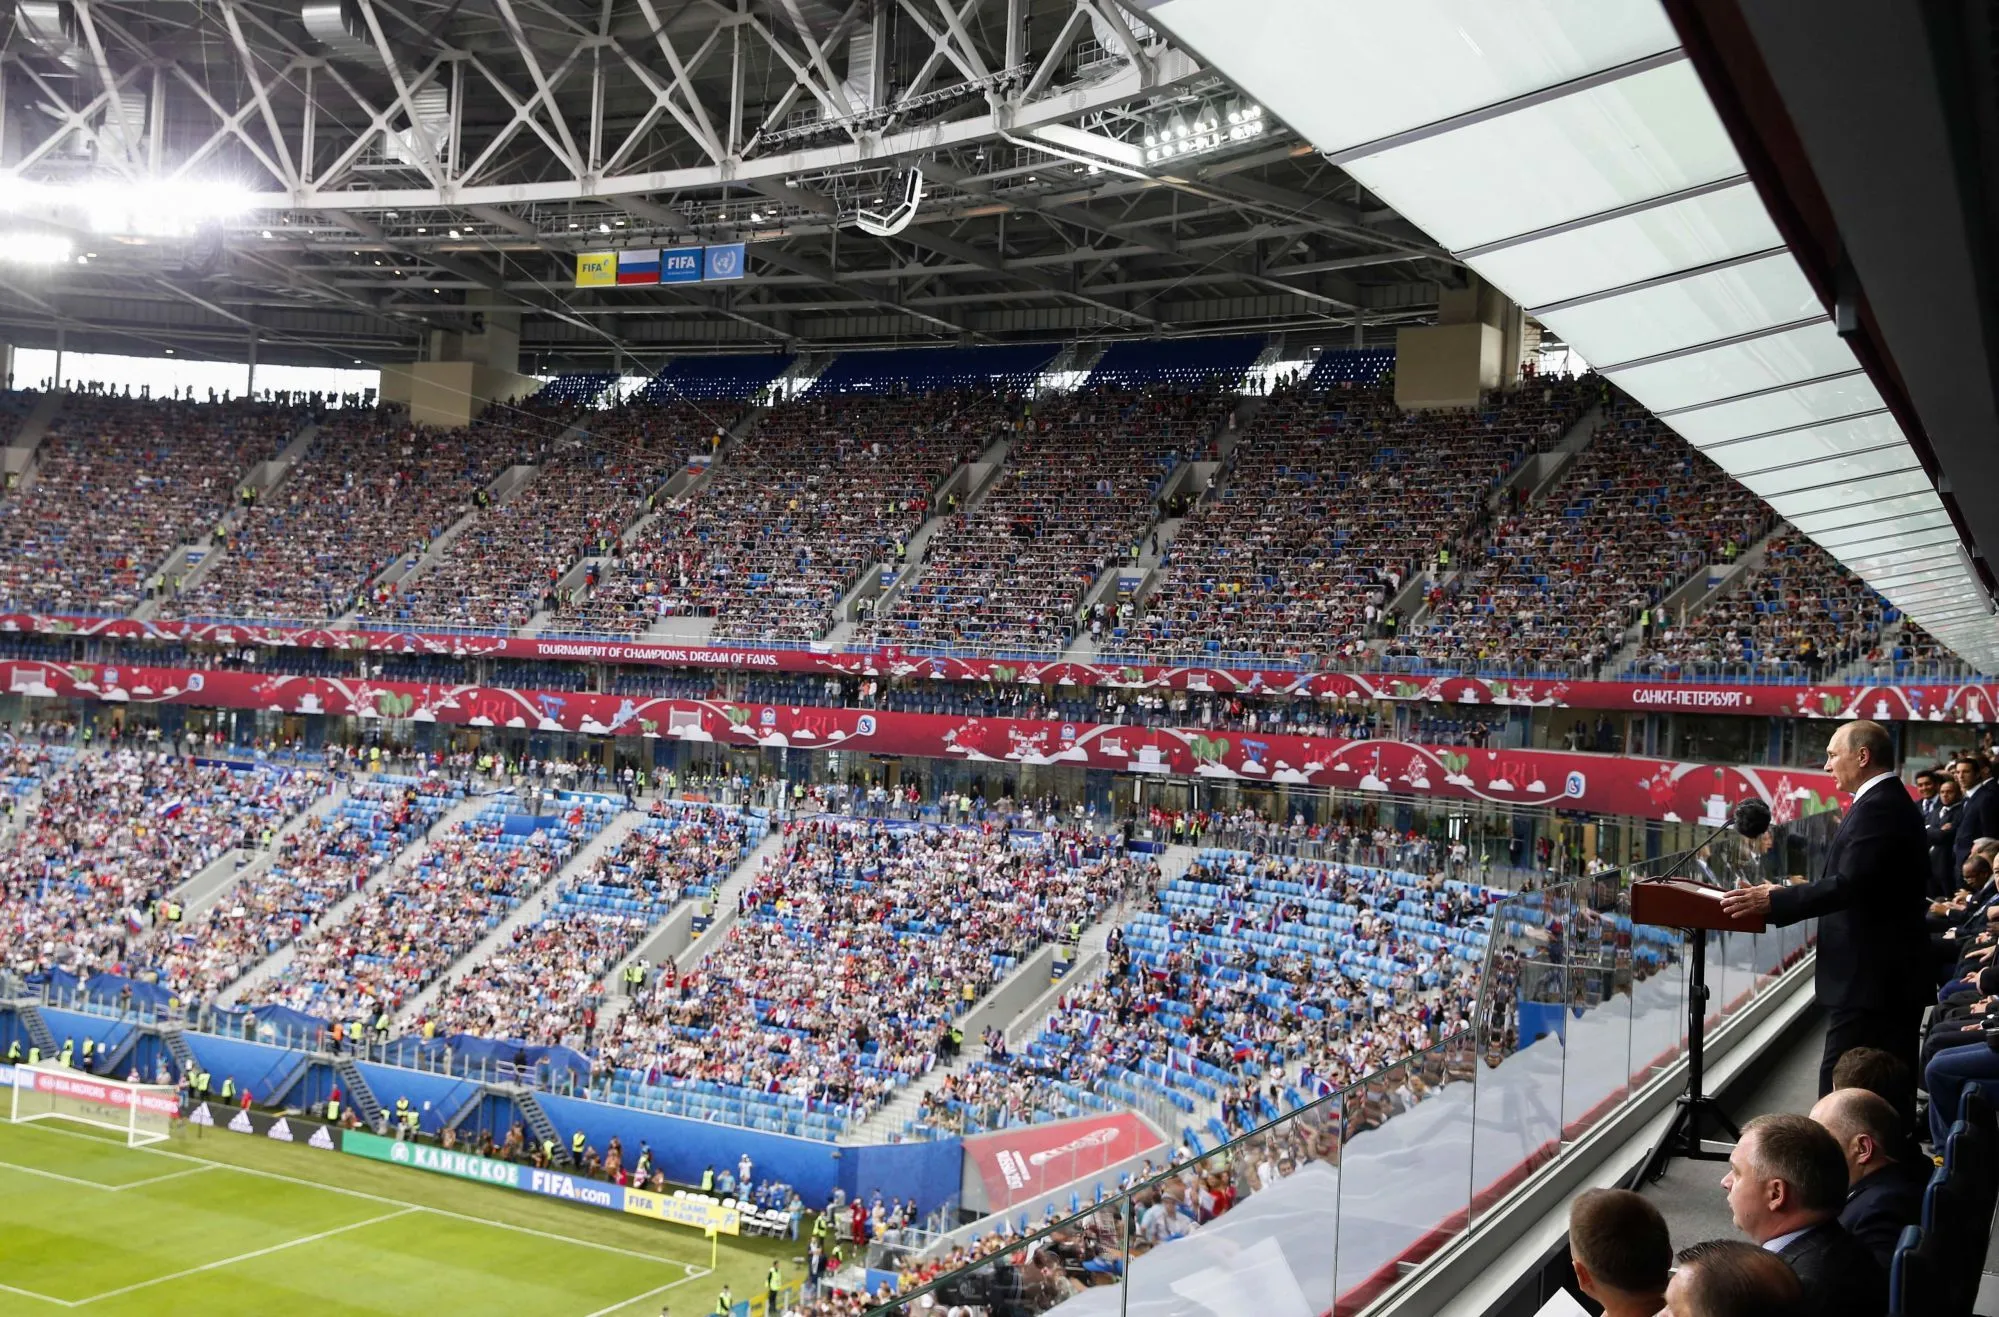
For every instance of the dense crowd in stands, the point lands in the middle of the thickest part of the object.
(782, 529)
(1332, 500)
(506, 567)
(118, 483)
(1077, 495)
(311, 869)
(1560, 581)
(90, 872)
(856, 947)
(413, 922)
(1798, 610)
(544, 984)
(371, 488)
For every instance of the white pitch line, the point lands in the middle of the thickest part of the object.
(108, 1188)
(376, 1198)
(30, 1294)
(692, 1274)
(245, 1257)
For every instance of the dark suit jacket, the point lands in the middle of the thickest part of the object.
(1879, 1206)
(1839, 1275)
(1979, 819)
(1870, 903)
(1943, 843)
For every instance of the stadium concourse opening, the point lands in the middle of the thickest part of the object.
(996, 658)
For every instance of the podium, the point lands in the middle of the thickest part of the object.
(1696, 907)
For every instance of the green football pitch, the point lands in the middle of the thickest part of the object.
(215, 1223)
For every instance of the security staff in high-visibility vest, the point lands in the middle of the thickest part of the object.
(382, 1028)
(333, 1111)
(708, 1181)
(772, 1282)
(228, 1088)
(402, 1114)
(410, 1119)
(14, 1052)
(548, 1152)
(576, 1145)
(68, 1057)
(34, 1054)
(89, 1047)
(725, 1303)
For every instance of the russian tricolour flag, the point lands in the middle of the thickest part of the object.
(638, 267)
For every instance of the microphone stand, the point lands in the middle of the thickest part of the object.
(1683, 1135)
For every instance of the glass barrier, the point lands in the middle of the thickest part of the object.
(1325, 1208)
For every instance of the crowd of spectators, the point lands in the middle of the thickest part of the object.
(593, 484)
(118, 484)
(1559, 583)
(545, 984)
(89, 874)
(1797, 612)
(370, 488)
(1256, 981)
(413, 922)
(783, 527)
(856, 947)
(1078, 494)
(1331, 500)
(312, 868)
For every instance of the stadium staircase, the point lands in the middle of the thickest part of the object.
(408, 567)
(524, 914)
(177, 1048)
(354, 1089)
(20, 455)
(277, 1084)
(196, 896)
(38, 1028)
(682, 483)
(463, 812)
(725, 905)
(113, 1059)
(1693, 596)
(466, 1109)
(540, 1127)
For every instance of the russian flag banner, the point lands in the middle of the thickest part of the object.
(638, 267)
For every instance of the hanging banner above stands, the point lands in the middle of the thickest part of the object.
(644, 267)
(1955, 701)
(1668, 790)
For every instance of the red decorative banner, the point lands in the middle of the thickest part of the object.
(1661, 789)
(1030, 1160)
(1950, 701)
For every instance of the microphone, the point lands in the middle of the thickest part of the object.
(1750, 818)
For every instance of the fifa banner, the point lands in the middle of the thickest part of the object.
(484, 1170)
(278, 1129)
(703, 1214)
(636, 267)
(81, 1088)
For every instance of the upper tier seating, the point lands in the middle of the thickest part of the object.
(1077, 493)
(713, 379)
(1559, 582)
(1799, 613)
(371, 488)
(119, 483)
(1004, 368)
(581, 389)
(504, 568)
(1333, 500)
(857, 945)
(784, 526)
(1187, 363)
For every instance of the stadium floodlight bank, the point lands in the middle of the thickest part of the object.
(143, 1113)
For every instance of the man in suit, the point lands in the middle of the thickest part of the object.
(1883, 1193)
(1728, 1278)
(1786, 1183)
(1874, 972)
(1942, 817)
(1981, 807)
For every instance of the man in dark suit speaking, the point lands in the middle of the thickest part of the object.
(1873, 976)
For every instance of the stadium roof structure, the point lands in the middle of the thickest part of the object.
(1693, 199)
(340, 176)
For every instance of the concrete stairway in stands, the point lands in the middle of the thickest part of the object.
(526, 913)
(463, 812)
(355, 1091)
